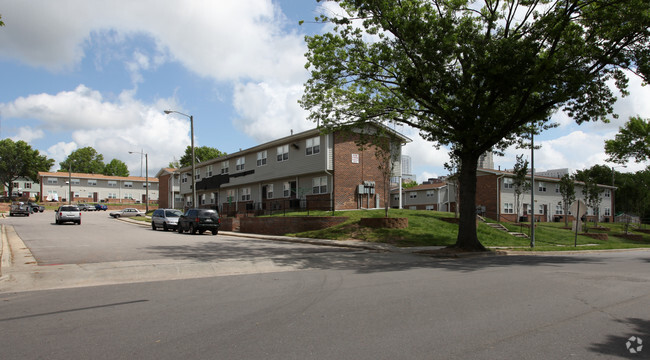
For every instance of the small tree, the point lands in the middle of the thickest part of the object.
(18, 159)
(591, 191)
(202, 153)
(519, 182)
(568, 192)
(116, 168)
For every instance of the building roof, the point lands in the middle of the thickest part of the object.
(433, 186)
(537, 177)
(95, 176)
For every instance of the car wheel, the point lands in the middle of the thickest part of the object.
(214, 232)
(116, 216)
(57, 222)
(153, 226)
(79, 222)
(179, 228)
(165, 228)
(192, 230)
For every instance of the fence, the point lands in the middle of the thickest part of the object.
(273, 207)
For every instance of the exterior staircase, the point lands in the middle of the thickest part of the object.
(503, 228)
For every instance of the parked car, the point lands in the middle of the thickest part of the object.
(128, 212)
(35, 207)
(165, 218)
(86, 207)
(100, 207)
(199, 220)
(19, 208)
(68, 213)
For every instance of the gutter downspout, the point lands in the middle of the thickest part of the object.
(327, 154)
(499, 197)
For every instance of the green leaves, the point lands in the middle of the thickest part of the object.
(632, 141)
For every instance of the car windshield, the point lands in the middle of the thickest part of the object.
(173, 213)
(69, 208)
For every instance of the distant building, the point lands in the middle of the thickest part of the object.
(438, 196)
(486, 161)
(55, 186)
(22, 187)
(554, 173)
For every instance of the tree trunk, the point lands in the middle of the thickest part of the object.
(467, 237)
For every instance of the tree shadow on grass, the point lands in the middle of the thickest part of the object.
(303, 256)
(617, 345)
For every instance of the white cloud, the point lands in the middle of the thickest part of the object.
(28, 134)
(268, 112)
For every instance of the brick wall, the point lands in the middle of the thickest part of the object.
(163, 187)
(486, 194)
(348, 175)
(287, 225)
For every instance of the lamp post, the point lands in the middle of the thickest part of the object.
(193, 157)
(146, 191)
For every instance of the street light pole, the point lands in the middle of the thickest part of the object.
(146, 191)
(193, 157)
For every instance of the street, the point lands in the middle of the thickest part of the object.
(273, 300)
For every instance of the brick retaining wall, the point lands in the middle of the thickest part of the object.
(288, 224)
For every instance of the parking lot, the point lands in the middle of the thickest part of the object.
(101, 238)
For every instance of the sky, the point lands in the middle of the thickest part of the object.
(98, 73)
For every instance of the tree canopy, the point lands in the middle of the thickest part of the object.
(202, 153)
(476, 76)
(85, 160)
(116, 168)
(632, 141)
(18, 159)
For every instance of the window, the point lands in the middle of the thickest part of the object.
(128, 196)
(428, 207)
(431, 193)
(607, 212)
(283, 153)
(607, 193)
(231, 196)
(16, 185)
(197, 174)
(76, 194)
(413, 195)
(52, 192)
(92, 182)
(75, 181)
(245, 194)
(51, 181)
(508, 183)
(128, 184)
(202, 199)
(90, 194)
(261, 158)
(508, 208)
(541, 209)
(224, 167)
(313, 146)
(28, 185)
(269, 191)
(112, 195)
(144, 184)
(396, 197)
(112, 183)
(286, 189)
(212, 198)
(541, 187)
(557, 188)
(241, 164)
(319, 185)
(208, 171)
(527, 211)
(184, 178)
(558, 209)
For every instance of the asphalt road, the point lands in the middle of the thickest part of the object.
(337, 304)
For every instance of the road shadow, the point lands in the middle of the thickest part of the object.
(627, 345)
(362, 261)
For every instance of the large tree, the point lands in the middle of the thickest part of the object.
(632, 141)
(478, 76)
(202, 153)
(116, 168)
(18, 159)
(85, 160)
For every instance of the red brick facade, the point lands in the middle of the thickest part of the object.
(351, 168)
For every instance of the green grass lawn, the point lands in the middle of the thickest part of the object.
(427, 229)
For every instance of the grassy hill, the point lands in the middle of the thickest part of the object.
(426, 228)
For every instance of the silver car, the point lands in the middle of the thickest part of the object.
(128, 212)
(68, 213)
(165, 218)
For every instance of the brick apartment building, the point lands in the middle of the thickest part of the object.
(304, 170)
(495, 198)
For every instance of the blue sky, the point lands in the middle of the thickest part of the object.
(96, 73)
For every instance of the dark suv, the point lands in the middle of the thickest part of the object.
(199, 220)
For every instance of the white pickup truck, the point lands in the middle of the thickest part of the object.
(19, 208)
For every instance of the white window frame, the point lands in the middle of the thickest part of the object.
(75, 182)
(559, 210)
(245, 194)
(225, 167)
(241, 164)
(312, 146)
(197, 174)
(319, 185)
(128, 184)
(413, 195)
(261, 158)
(92, 182)
(508, 208)
(541, 186)
(282, 153)
(431, 193)
(286, 189)
(208, 171)
(607, 212)
(52, 181)
(607, 193)
(269, 191)
(508, 183)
